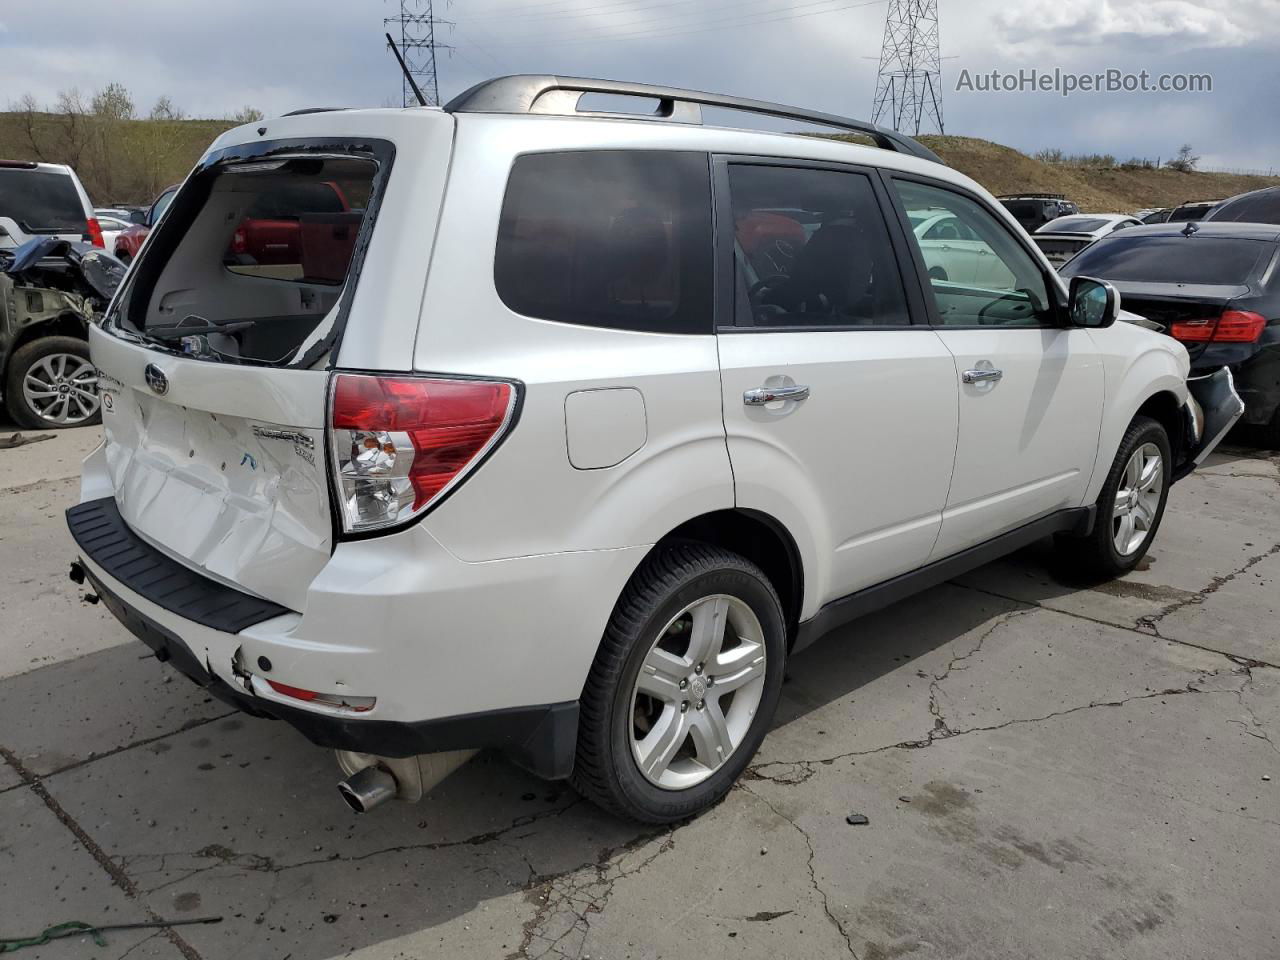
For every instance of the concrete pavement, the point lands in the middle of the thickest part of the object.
(1048, 770)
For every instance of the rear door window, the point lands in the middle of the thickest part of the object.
(1211, 260)
(610, 238)
(811, 249)
(41, 201)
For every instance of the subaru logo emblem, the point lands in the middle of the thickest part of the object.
(156, 379)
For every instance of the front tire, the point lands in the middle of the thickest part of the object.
(1130, 506)
(683, 687)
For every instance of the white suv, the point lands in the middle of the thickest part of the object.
(560, 431)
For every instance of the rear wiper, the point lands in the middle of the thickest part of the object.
(178, 331)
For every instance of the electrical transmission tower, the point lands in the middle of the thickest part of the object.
(414, 30)
(909, 86)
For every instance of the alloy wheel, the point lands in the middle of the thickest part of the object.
(697, 692)
(1137, 499)
(62, 388)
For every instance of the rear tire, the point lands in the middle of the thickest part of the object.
(1130, 506)
(38, 373)
(693, 737)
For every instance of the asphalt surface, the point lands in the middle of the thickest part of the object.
(1047, 770)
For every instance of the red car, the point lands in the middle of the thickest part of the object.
(129, 241)
(309, 225)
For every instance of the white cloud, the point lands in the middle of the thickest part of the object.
(1176, 23)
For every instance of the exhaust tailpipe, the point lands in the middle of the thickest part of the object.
(367, 789)
(373, 780)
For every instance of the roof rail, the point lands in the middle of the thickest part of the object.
(543, 94)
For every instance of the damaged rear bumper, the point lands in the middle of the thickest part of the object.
(190, 622)
(1213, 406)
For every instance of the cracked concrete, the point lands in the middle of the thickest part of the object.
(1049, 768)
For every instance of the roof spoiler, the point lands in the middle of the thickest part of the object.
(559, 96)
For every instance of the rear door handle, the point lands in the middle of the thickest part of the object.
(981, 376)
(762, 395)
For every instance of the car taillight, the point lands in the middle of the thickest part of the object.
(1234, 326)
(239, 244)
(94, 232)
(400, 443)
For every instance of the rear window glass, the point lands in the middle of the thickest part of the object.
(1182, 214)
(618, 239)
(41, 202)
(1027, 209)
(1074, 225)
(1260, 207)
(263, 251)
(1211, 260)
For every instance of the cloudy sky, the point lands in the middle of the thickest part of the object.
(282, 54)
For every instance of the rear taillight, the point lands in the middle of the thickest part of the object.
(94, 232)
(401, 443)
(1234, 326)
(239, 243)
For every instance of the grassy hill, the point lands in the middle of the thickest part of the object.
(119, 161)
(130, 161)
(1004, 170)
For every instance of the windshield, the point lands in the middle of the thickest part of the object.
(1075, 225)
(40, 201)
(1183, 260)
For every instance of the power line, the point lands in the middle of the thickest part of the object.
(572, 9)
(417, 24)
(725, 23)
(909, 83)
(701, 10)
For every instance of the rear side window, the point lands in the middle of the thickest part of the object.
(41, 202)
(611, 238)
(1211, 260)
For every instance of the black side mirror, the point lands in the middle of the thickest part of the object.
(1094, 303)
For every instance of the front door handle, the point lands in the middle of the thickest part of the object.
(981, 376)
(762, 395)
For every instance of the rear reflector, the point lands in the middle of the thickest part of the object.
(354, 704)
(401, 443)
(1234, 326)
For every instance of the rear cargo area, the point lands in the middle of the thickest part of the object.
(212, 374)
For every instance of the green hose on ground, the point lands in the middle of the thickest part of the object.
(73, 928)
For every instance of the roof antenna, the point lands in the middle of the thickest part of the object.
(1190, 228)
(413, 84)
